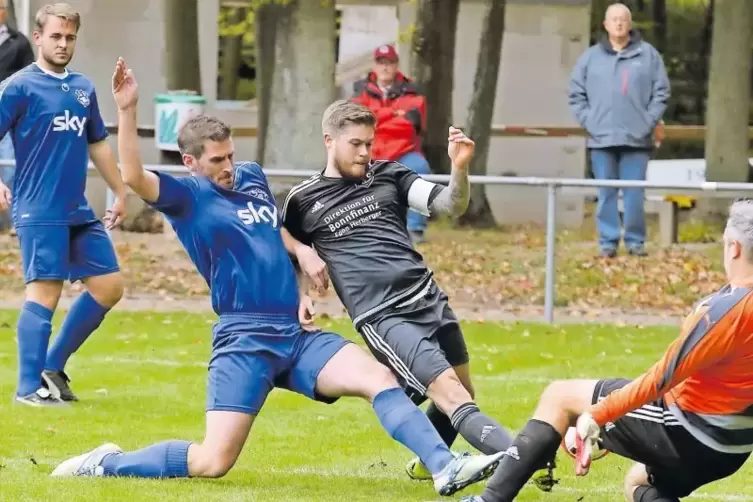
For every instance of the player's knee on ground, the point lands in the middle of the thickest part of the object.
(636, 476)
(448, 392)
(211, 461)
(107, 290)
(46, 293)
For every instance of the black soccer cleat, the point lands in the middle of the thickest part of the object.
(57, 383)
(40, 398)
(545, 480)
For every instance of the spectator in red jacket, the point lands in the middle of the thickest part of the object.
(401, 118)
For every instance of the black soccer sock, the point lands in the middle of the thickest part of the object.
(536, 443)
(483, 433)
(647, 493)
(442, 423)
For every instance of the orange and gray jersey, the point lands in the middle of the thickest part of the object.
(705, 377)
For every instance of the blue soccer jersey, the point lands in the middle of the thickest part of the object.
(52, 119)
(233, 238)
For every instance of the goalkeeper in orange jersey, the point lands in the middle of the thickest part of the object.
(686, 422)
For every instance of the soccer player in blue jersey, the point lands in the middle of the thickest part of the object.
(227, 220)
(54, 121)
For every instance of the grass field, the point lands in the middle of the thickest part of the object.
(141, 379)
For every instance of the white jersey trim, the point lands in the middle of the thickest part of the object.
(301, 186)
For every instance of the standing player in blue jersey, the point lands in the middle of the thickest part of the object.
(227, 220)
(54, 121)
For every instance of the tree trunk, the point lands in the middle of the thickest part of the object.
(703, 66)
(182, 70)
(433, 65)
(12, 20)
(481, 110)
(303, 85)
(266, 19)
(729, 92)
(182, 46)
(231, 57)
(660, 25)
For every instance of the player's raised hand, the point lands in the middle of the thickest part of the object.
(5, 197)
(306, 313)
(313, 266)
(116, 214)
(125, 89)
(460, 148)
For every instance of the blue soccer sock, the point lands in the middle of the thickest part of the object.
(162, 460)
(406, 423)
(84, 317)
(33, 332)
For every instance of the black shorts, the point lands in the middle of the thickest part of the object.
(676, 462)
(418, 340)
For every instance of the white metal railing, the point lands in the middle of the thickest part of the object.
(553, 186)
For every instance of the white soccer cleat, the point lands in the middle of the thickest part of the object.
(586, 441)
(465, 470)
(88, 464)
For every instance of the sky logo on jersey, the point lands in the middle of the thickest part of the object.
(69, 122)
(254, 215)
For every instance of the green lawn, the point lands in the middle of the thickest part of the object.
(142, 380)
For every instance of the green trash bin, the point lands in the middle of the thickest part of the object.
(172, 110)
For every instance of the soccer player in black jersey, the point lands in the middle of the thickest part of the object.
(354, 214)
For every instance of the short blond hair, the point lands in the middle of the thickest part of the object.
(59, 10)
(343, 113)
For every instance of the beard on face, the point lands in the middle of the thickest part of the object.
(354, 172)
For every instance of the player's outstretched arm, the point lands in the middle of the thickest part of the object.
(702, 343)
(104, 160)
(125, 92)
(307, 261)
(454, 198)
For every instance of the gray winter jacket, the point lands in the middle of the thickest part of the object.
(619, 97)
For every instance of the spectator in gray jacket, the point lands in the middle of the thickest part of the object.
(618, 92)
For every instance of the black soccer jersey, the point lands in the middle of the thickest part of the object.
(359, 230)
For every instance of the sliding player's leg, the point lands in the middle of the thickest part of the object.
(328, 367)
(241, 376)
(94, 262)
(45, 256)
(536, 444)
(423, 344)
(226, 433)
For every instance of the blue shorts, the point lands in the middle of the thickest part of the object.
(252, 354)
(60, 252)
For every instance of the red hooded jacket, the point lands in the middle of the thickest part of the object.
(395, 135)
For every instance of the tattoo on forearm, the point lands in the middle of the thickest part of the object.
(454, 198)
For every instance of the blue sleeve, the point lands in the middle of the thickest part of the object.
(12, 104)
(577, 97)
(660, 89)
(96, 130)
(176, 195)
